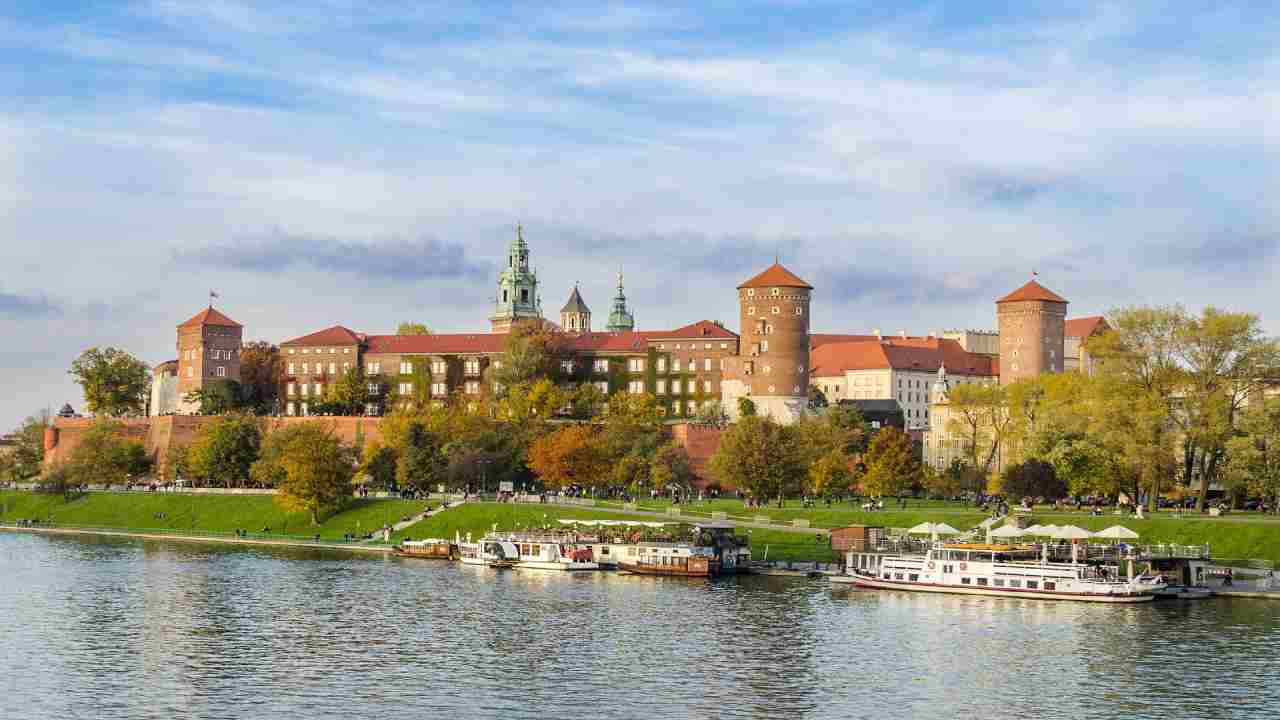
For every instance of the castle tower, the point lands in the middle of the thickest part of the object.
(1032, 322)
(575, 316)
(208, 352)
(620, 319)
(773, 365)
(517, 298)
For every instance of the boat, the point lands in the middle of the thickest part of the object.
(998, 570)
(552, 555)
(432, 548)
(715, 550)
(489, 552)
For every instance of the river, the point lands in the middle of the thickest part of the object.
(99, 628)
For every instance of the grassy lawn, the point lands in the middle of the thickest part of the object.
(199, 513)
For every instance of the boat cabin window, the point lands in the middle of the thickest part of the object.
(604, 550)
(1015, 583)
(946, 568)
(966, 581)
(897, 576)
(1033, 584)
(1050, 585)
(886, 576)
(982, 581)
(913, 577)
(999, 582)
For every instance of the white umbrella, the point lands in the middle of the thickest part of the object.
(1044, 530)
(1007, 531)
(924, 528)
(1070, 532)
(1033, 530)
(1117, 532)
(928, 528)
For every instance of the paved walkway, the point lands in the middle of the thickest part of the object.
(357, 547)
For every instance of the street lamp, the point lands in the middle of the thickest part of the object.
(484, 474)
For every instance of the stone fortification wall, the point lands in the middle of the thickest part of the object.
(701, 442)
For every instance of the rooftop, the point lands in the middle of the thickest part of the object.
(776, 276)
(1032, 291)
(336, 335)
(1085, 327)
(919, 354)
(209, 316)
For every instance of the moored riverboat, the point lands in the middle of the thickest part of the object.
(997, 570)
(491, 552)
(432, 548)
(552, 552)
(714, 550)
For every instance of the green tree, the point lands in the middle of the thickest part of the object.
(224, 450)
(1254, 454)
(531, 352)
(261, 374)
(892, 468)
(26, 457)
(671, 467)
(1032, 478)
(979, 416)
(712, 414)
(412, 328)
(761, 457)
(830, 474)
(421, 460)
(349, 393)
(746, 407)
(217, 397)
(379, 465)
(311, 469)
(115, 383)
(175, 463)
(631, 472)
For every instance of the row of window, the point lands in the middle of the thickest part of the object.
(982, 582)
(320, 369)
(694, 346)
(751, 310)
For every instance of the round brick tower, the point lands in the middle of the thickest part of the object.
(773, 365)
(1032, 332)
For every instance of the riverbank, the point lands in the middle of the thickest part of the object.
(203, 538)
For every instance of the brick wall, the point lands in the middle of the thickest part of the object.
(701, 442)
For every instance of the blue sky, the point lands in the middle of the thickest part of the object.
(333, 162)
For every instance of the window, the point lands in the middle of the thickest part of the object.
(373, 388)
(635, 364)
(965, 581)
(290, 368)
(438, 389)
(661, 387)
(1015, 583)
(220, 371)
(600, 365)
(346, 368)
(635, 387)
(913, 577)
(405, 388)
(982, 581)
(289, 409)
(306, 350)
(692, 386)
(675, 407)
(406, 368)
(473, 387)
(333, 368)
(566, 366)
(897, 576)
(751, 292)
(675, 387)
(764, 346)
(289, 389)
(603, 386)
(305, 388)
(1050, 585)
(768, 369)
(776, 310)
(662, 364)
(304, 408)
(290, 351)
(706, 386)
(306, 368)
(333, 351)
(318, 389)
(751, 310)
(706, 364)
(693, 365)
(497, 364)
(370, 408)
(799, 310)
(346, 351)
(998, 582)
(438, 367)
(1033, 584)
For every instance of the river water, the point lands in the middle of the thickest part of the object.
(99, 628)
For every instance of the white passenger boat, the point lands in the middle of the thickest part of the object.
(550, 553)
(1001, 570)
(490, 552)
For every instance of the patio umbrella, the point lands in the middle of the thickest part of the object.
(1071, 532)
(1117, 532)
(1007, 531)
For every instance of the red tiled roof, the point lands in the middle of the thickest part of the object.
(1086, 326)
(209, 316)
(775, 276)
(336, 335)
(1032, 291)
(442, 344)
(817, 340)
(925, 355)
(633, 341)
(695, 331)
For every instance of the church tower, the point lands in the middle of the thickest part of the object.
(575, 316)
(1032, 321)
(620, 319)
(517, 298)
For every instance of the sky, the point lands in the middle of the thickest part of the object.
(329, 162)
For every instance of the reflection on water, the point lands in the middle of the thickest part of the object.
(110, 628)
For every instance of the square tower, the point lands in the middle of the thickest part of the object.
(208, 351)
(1032, 321)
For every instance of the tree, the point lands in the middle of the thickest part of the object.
(979, 416)
(891, 464)
(1032, 478)
(105, 456)
(531, 352)
(311, 469)
(746, 407)
(412, 328)
(26, 458)
(261, 374)
(830, 474)
(761, 457)
(217, 397)
(224, 450)
(940, 484)
(115, 383)
(421, 460)
(631, 472)
(712, 414)
(175, 463)
(379, 465)
(572, 455)
(349, 393)
(672, 468)
(632, 426)
(1254, 455)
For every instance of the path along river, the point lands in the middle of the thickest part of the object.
(98, 628)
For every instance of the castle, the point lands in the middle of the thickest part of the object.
(774, 359)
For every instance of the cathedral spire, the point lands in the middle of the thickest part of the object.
(517, 297)
(620, 320)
